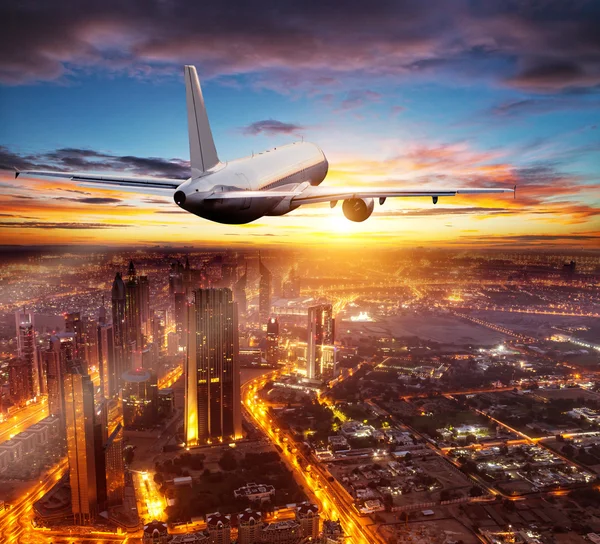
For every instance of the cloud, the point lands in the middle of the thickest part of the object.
(358, 98)
(90, 200)
(65, 225)
(540, 106)
(271, 127)
(73, 159)
(538, 46)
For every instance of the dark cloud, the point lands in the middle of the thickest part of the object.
(538, 45)
(68, 226)
(70, 159)
(538, 106)
(91, 200)
(270, 127)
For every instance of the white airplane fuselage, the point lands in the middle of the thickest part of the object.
(290, 167)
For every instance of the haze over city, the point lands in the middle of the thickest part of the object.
(380, 327)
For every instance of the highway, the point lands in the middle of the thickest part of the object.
(19, 420)
(334, 501)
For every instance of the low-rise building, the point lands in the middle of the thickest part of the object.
(250, 527)
(155, 532)
(255, 492)
(282, 532)
(332, 532)
(308, 516)
(191, 538)
(218, 527)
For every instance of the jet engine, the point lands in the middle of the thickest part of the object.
(358, 209)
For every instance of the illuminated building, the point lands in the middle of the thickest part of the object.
(26, 351)
(108, 367)
(140, 398)
(156, 532)
(308, 517)
(90, 339)
(282, 532)
(176, 279)
(320, 334)
(79, 408)
(133, 315)
(145, 305)
(272, 341)
(250, 526)
(181, 317)
(333, 532)
(75, 326)
(218, 528)
(114, 475)
(19, 380)
(264, 292)
(239, 292)
(55, 372)
(212, 376)
(118, 311)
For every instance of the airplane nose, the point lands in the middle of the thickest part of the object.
(179, 198)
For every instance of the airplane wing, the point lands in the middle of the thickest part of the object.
(136, 184)
(312, 195)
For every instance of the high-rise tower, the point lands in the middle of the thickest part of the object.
(272, 341)
(264, 292)
(212, 376)
(319, 359)
(79, 407)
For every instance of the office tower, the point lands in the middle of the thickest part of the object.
(218, 528)
(228, 271)
(319, 360)
(90, 339)
(140, 398)
(250, 526)
(114, 469)
(79, 408)
(108, 364)
(102, 313)
(308, 517)
(272, 341)
(176, 278)
(26, 351)
(133, 314)
(19, 380)
(181, 317)
(75, 325)
(118, 311)
(264, 292)
(145, 305)
(158, 321)
(239, 292)
(212, 376)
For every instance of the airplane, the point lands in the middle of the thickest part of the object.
(271, 183)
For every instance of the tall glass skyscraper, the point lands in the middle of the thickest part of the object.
(320, 336)
(264, 293)
(212, 375)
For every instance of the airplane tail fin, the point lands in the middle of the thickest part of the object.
(203, 154)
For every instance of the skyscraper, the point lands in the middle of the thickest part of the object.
(239, 292)
(113, 479)
(264, 292)
(79, 408)
(319, 360)
(19, 381)
(133, 312)
(118, 311)
(145, 305)
(272, 341)
(26, 351)
(76, 326)
(108, 364)
(212, 376)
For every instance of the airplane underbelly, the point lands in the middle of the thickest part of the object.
(237, 211)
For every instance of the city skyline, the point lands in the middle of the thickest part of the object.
(486, 98)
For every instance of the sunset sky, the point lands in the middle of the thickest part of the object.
(440, 93)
